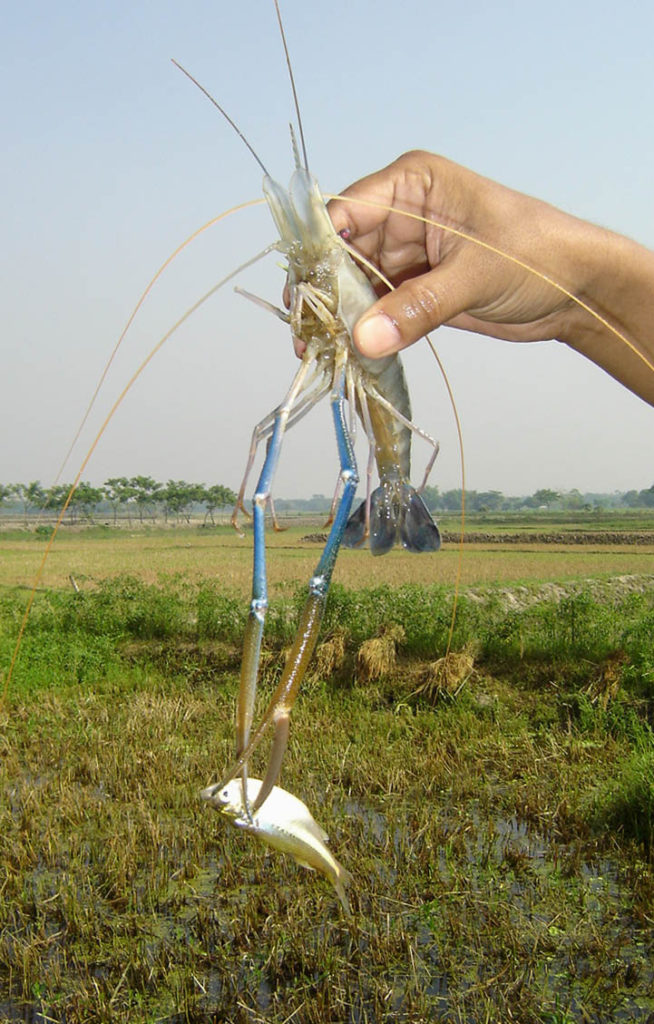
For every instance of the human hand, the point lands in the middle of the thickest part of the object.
(440, 277)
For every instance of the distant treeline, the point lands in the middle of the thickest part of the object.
(143, 498)
(543, 498)
(139, 497)
(494, 501)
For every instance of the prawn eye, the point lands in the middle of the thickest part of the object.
(345, 234)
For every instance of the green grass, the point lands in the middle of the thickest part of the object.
(625, 804)
(581, 621)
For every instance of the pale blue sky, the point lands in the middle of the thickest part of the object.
(111, 158)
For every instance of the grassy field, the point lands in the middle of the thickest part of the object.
(495, 808)
(220, 554)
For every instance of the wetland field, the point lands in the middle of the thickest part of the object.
(494, 804)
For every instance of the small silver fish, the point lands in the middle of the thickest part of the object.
(283, 822)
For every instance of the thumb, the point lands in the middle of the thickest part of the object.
(416, 307)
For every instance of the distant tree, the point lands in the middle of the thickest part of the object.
(647, 497)
(544, 496)
(215, 497)
(120, 493)
(606, 500)
(56, 497)
(318, 503)
(451, 500)
(178, 496)
(489, 501)
(31, 496)
(431, 497)
(631, 499)
(146, 494)
(513, 503)
(573, 500)
(6, 491)
(85, 500)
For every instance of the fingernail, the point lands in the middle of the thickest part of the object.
(377, 336)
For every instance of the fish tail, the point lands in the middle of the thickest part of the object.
(341, 879)
(397, 513)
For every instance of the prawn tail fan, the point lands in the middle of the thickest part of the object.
(397, 513)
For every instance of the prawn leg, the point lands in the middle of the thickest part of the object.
(259, 600)
(283, 699)
(265, 428)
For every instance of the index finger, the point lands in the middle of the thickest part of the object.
(362, 219)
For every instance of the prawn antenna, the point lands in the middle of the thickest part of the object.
(292, 79)
(226, 115)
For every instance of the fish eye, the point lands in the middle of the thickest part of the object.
(225, 794)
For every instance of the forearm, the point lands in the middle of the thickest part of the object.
(618, 284)
(609, 274)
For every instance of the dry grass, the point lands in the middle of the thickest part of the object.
(377, 657)
(224, 556)
(330, 655)
(445, 677)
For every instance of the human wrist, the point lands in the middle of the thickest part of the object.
(615, 327)
(616, 280)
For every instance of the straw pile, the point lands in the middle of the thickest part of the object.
(445, 677)
(377, 657)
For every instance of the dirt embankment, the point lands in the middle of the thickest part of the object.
(607, 591)
(561, 537)
(604, 537)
